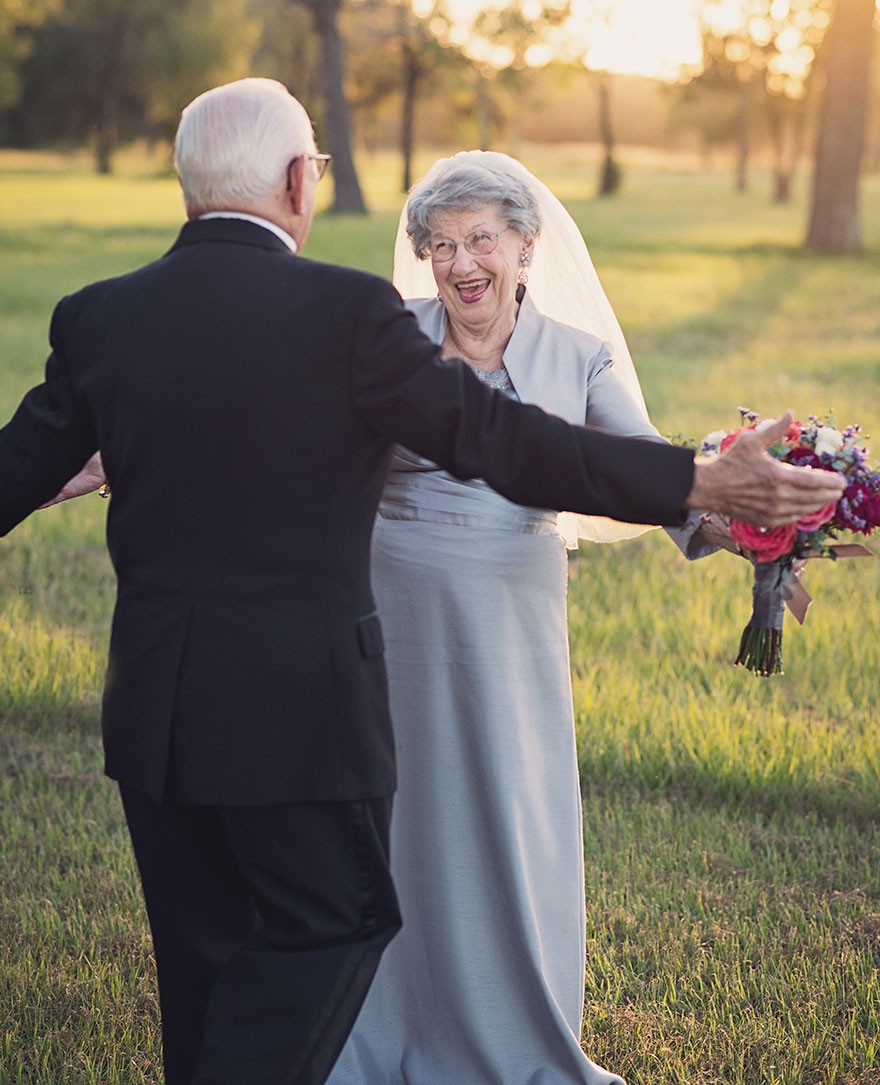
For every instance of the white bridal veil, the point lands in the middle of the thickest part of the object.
(563, 285)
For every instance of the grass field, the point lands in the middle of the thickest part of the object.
(732, 824)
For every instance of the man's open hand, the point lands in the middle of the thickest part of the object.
(745, 483)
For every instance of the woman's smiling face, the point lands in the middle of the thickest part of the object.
(472, 287)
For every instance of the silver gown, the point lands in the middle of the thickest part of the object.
(485, 983)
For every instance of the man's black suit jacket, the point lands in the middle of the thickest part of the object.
(245, 401)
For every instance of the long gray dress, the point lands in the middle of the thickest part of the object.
(485, 983)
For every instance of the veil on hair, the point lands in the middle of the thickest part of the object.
(563, 285)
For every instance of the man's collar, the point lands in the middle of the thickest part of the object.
(257, 220)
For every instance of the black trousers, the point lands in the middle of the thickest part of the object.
(268, 924)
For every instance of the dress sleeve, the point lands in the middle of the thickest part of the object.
(610, 406)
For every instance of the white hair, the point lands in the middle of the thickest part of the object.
(451, 185)
(235, 142)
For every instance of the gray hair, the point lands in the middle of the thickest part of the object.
(235, 141)
(456, 187)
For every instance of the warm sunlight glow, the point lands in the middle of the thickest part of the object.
(645, 37)
(640, 37)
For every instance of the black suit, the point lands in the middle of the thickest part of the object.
(245, 402)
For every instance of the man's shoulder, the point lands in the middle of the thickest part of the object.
(353, 277)
(349, 289)
(99, 291)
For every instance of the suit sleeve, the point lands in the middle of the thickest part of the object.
(404, 392)
(46, 442)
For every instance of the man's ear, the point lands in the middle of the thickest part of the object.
(295, 177)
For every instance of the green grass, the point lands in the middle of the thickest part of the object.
(732, 828)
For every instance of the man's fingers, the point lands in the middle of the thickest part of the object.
(794, 492)
(768, 432)
(824, 485)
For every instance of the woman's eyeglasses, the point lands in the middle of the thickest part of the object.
(479, 243)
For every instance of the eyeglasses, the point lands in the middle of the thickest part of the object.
(322, 161)
(479, 243)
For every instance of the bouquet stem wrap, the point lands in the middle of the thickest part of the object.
(760, 649)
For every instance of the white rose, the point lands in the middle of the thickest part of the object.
(713, 440)
(828, 439)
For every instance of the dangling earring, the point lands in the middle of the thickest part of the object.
(524, 260)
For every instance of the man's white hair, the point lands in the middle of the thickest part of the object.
(234, 144)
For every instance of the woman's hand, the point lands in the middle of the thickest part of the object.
(89, 479)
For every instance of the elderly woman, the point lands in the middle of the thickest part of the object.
(485, 984)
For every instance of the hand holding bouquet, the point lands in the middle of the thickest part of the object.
(776, 552)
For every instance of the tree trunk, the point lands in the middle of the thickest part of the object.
(783, 122)
(610, 177)
(743, 135)
(347, 195)
(107, 123)
(834, 221)
(107, 138)
(484, 113)
(411, 75)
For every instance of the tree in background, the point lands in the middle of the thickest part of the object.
(347, 194)
(207, 42)
(505, 41)
(587, 22)
(428, 55)
(611, 172)
(834, 221)
(395, 56)
(17, 17)
(757, 69)
(287, 49)
(872, 136)
(106, 70)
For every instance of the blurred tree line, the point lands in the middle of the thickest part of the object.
(377, 73)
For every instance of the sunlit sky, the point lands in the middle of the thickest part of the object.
(644, 37)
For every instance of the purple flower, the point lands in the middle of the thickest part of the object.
(857, 508)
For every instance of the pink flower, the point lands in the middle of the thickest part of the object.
(794, 434)
(732, 436)
(767, 543)
(816, 519)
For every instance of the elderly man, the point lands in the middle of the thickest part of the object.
(245, 401)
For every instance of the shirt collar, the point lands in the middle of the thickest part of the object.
(265, 223)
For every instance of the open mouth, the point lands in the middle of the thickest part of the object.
(472, 290)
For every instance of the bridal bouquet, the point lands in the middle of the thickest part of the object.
(778, 552)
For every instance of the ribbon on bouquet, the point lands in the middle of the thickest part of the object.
(796, 596)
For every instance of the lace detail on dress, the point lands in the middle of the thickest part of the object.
(495, 378)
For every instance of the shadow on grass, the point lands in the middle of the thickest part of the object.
(735, 792)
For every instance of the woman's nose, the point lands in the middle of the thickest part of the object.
(463, 260)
